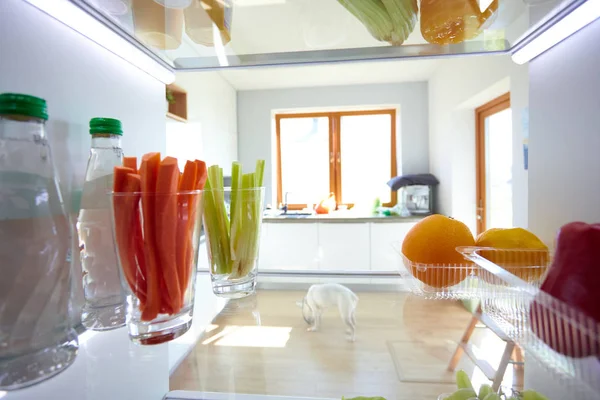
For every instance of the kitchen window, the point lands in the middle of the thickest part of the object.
(351, 154)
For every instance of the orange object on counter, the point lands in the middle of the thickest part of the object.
(156, 25)
(453, 21)
(326, 206)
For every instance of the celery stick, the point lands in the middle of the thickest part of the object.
(211, 225)
(251, 224)
(235, 212)
(221, 228)
(242, 232)
(260, 172)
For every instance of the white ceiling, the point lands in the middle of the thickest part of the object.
(354, 73)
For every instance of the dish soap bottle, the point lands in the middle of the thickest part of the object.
(104, 306)
(36, 339)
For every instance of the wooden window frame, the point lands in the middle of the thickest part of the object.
(500, 103)
(335, 159)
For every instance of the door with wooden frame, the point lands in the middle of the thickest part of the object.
(351, 154)
(494, 159)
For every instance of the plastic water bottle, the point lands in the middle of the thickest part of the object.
(104, 307)
(36, 339)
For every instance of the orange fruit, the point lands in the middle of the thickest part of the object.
(510, 242)
(433, 242)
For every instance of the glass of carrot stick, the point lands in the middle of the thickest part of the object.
(233, 236)
(156, 225)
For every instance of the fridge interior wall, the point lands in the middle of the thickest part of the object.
(79, 80)
(564, 141)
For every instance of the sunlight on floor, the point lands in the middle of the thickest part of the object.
(251, 336)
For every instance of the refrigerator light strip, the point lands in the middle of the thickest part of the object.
(74, 17)
(580, 17)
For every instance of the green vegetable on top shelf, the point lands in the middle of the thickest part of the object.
(389, 21)
(233, 240)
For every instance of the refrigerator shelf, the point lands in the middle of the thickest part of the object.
(209, 34)
(562, 341)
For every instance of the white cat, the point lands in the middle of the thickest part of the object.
(323, 296)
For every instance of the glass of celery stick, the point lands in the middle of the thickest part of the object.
(233, 238)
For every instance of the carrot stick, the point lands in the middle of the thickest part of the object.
(184, 223)
(201, 174)
(188, 177)
(120, 174)
(149, 174)
(165, 301)
(132, 230)
(130, 162)
(138, 248)
(166, 228)
(126, 208)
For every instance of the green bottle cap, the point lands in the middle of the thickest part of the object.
(105, 126)
(22, 104)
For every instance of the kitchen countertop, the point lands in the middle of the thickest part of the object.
(341, 217)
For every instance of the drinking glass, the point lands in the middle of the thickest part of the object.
(233, 239)
(157, 238)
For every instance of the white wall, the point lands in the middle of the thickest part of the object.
(255, 118)
(456, 89)
(564, 144)
(79, 80)
(211, 131)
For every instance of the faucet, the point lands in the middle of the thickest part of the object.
(284, 206)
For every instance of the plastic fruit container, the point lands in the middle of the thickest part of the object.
(439, 281)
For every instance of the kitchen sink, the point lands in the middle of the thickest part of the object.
(294, 215)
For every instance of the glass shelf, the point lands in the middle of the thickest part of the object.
(205, 34)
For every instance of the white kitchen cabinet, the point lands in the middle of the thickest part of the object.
(344, 246)
(383, 256)
(289, 246)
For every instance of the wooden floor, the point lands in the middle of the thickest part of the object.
(261, 346)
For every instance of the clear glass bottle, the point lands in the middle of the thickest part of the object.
(36, 339)
(104, 300)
